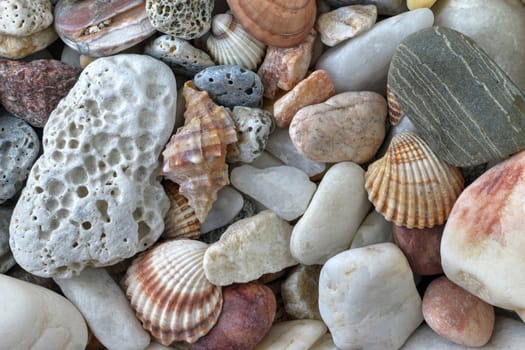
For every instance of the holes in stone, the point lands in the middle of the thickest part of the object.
(72, 144)
(39, 189)
(82, 191)
(51, 204)
(144, 230)
(101, 165)
(137, 214)
(55, 188)
(61, 144)
(102, 207)
(34, 218)
(86, 225)
(210, 80)
(57, 156)
(53, 225)
(248, 91)
(114, 156)
(77, 175)
(62, 213)
(74, 245)
(85, 148)
(115, 192)
(89, 163)
(140, 174)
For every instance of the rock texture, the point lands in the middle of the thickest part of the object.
(94, 198)
(25, 17)
(6, 258)
(15, 47)
(292, 335)
(467, 123)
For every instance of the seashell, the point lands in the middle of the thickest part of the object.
(394, 111)
(411, 186)
(180, 221)
(230, 44)
(281, 23)
(195, 157)
(170, 294)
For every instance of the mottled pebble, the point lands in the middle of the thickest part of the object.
(6, 258)
(374, 229)
(292, 335)
(300, 292)
(15, 47)
(228, 204)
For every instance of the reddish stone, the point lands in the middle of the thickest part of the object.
(457, 315)
(247, 315)
(421, 248)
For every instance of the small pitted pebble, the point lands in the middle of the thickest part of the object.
(186, 19)
(231, 86)
(24, 17)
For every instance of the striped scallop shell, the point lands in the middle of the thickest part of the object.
(229, 43)
(411, 186)
(170, 294)
(394, 111)
(180, 221)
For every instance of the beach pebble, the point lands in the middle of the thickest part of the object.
(417, 4)
(20, 146)
(457, 315)
(284, 189)
(16, 47)
(421, 248)
(361, 64)
(36, 318)
(374, 229)
(248, 249)
(313, 89)
(25, 87)
(349, 126)
(292, 335)
(368, 299)
(283, 68)
(246, 316)
(384, 7)
(324, 343)
(231, 86)
(345, 23)
(281, 146)
(6, 258)
(228, 204)
(480, 115)
(94, 197)
(482, 240)
(496, 26)
(24, 17)
(179, 54)
(254, 126)
(266, 160)
(105, 309)
(331, 220)
(21, 274)
(300, 292)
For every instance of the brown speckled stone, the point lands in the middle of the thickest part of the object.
(457, 315)
(31, 90)
(421, 248)
(247, 315)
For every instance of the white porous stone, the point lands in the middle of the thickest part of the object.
(285, 190)
(33, 317)
(106, 309)
(6, 258)
(228, 204)
(333, 216)
(248, 249)
(368, 299)
(281, 146)
(292, 335)
(25, 17)
(94, 197)
(374, 229)
(361, 64)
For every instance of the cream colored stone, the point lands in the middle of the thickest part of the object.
(417, 4)
(345, 22)
(292, 335)
(14, 47)
(25, 17)
(300, 292)
(324, 343)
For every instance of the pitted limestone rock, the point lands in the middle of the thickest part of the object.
(94, 197)
(25, 17)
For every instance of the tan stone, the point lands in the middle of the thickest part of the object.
(15, 47)
(300, 292)
(417, 4)
(315, 88)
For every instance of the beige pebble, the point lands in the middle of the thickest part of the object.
(300, 292)
(292, 335)
(14, 47)
(417, 4)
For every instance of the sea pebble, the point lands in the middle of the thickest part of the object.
(248, 249)
(266, 160)
(331, 220)
(345, 23)
(361, 64)
(24, 17)
(25, 87)
(94, 197)
(281, 146)
(416, 4)
(300, 292)
(231, 86)
(313, 89)
(482, 240)
(6, 258)
(284, 189)
(105, 309)
(21, 274)
(36, 318)
(292, 335)
(368, 299)
(424, 75)
(20, 146)
(228, 204)
(457, 315)
(348, 126)
(247, 315)
(421, 248)
(283, 68)
(384, 7)
(15, 47)
(374, 229)
(179, 54)
(324, 343)
(70, 57)
(254, 126)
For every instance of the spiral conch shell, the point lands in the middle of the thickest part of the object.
(411, 186)
(229, 43)
(195, 157)
(180, 220)
(170, 294)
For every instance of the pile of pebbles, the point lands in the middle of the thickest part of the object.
(243, 175)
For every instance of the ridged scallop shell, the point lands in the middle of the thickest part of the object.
(394, 111)
(195, 157)
(411, 186)
(281, 23)
(170, 294)
(229, 43)
(180, 221)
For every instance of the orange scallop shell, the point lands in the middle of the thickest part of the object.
(180, 220)
(394, 111)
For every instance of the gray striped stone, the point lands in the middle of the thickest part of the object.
(461, 102)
